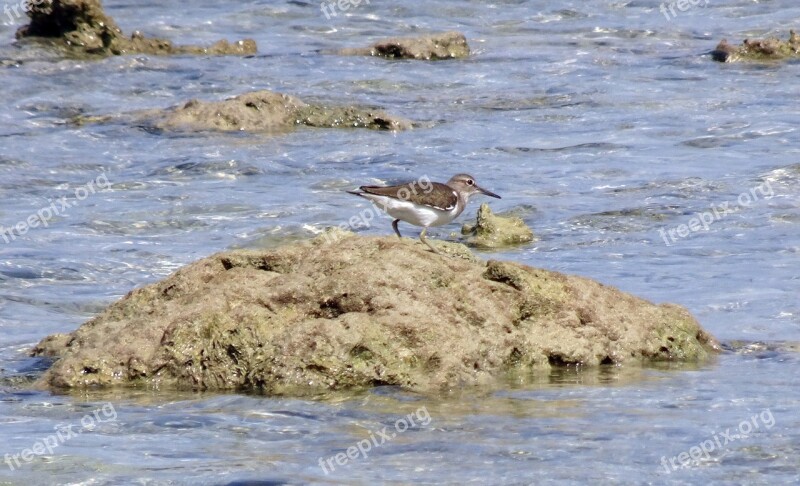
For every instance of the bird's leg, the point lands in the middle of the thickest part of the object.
(424, 240)
(394, 225)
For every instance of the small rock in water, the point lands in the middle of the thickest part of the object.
(495, 231)
(771, 49)
(447, 45)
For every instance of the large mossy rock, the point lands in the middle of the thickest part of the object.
(347, 311)
(258, 111)
(269, 111)
(83, 27)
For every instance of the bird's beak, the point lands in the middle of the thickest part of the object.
(488, 193)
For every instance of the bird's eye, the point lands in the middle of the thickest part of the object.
(470, 182)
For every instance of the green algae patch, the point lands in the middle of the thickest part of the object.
(343, 312)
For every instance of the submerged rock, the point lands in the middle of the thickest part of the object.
(758, 49)
(447, 45)
(270, 111)
(83, 25)
(762, 349)
(494, 231)
(349, 311)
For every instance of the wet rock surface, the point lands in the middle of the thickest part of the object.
(270, 111)
(83, 26)
(348, 311)
(771, 49)
(496, 231)
(447, 45)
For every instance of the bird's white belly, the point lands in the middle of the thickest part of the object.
(411, 213)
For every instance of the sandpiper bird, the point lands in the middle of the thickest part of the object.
(424, 204)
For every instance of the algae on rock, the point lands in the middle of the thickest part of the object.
(447, 45)
(316, 316)
(771, 49)
(258, 111)
(83, 26)
(495, 231)
(267, 110)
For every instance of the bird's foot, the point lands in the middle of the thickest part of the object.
(425, 240)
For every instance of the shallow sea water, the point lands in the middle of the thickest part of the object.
(602, 122)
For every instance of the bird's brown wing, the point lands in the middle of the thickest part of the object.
(433, 194)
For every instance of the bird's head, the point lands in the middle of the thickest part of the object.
(465, 184)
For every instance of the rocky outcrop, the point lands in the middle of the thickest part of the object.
(270, 111)
(758, 50)
(350, 311)
(447, 45)
(495, 231)
(83, 26)
(259, 111)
